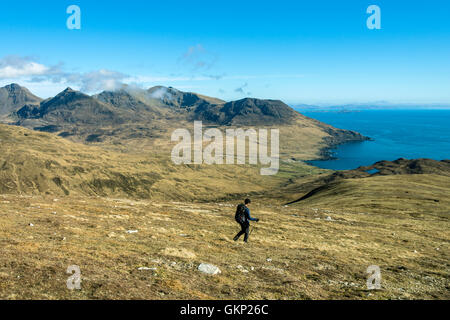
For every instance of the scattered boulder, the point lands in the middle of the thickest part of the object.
(146, 269)
(242, 269)
(209, 269)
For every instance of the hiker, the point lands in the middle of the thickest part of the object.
(243, 218)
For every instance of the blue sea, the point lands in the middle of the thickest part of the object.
(397, 134)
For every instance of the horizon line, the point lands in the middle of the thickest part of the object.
(378, 104)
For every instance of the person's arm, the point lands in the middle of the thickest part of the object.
(247, 213)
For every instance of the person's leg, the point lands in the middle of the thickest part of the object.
(247, 230)
(240, 233)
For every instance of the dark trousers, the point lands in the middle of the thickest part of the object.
(245, 228)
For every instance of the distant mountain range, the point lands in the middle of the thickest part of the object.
(127, 104)
(130, 113)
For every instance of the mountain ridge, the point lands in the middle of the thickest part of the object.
(247, 111)
(71, 107)
(240, 112)
(14, 96)
(149, 116)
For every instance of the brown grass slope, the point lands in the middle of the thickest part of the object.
(417, 195)
(81, 199)
(416, 187)
(41, 163)
(294, 253)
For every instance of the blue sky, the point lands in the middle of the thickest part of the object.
(296, 51)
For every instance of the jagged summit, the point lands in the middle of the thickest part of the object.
(132, 100)
(248, 111)
(70, 107)
(13, 86)
(178, 99)
(69, 93)
(68, 90)
(14, 96)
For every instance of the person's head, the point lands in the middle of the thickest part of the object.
(247, 202)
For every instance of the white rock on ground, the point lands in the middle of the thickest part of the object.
(242, 269)
(146, 268)
(209, 269)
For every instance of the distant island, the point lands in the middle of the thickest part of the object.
(383, 105)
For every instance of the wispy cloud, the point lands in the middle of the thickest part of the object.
(101, 80)
(30, 71)
(241, 90)
(206, 77)
(264, 76)
(16, 67)
(197, 58)
(145, 79)
(161, 93)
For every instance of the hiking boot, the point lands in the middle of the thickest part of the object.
(236, 238)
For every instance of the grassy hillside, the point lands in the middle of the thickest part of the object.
(34, 163)
(416, 187)
(294, 253)
(65, 203)
(417, 195)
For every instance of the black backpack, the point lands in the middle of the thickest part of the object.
(240, 214)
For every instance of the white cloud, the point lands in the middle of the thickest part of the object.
(28, 70)
(161, 93)
(33, 74)
(101, 80)
(16, 67)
